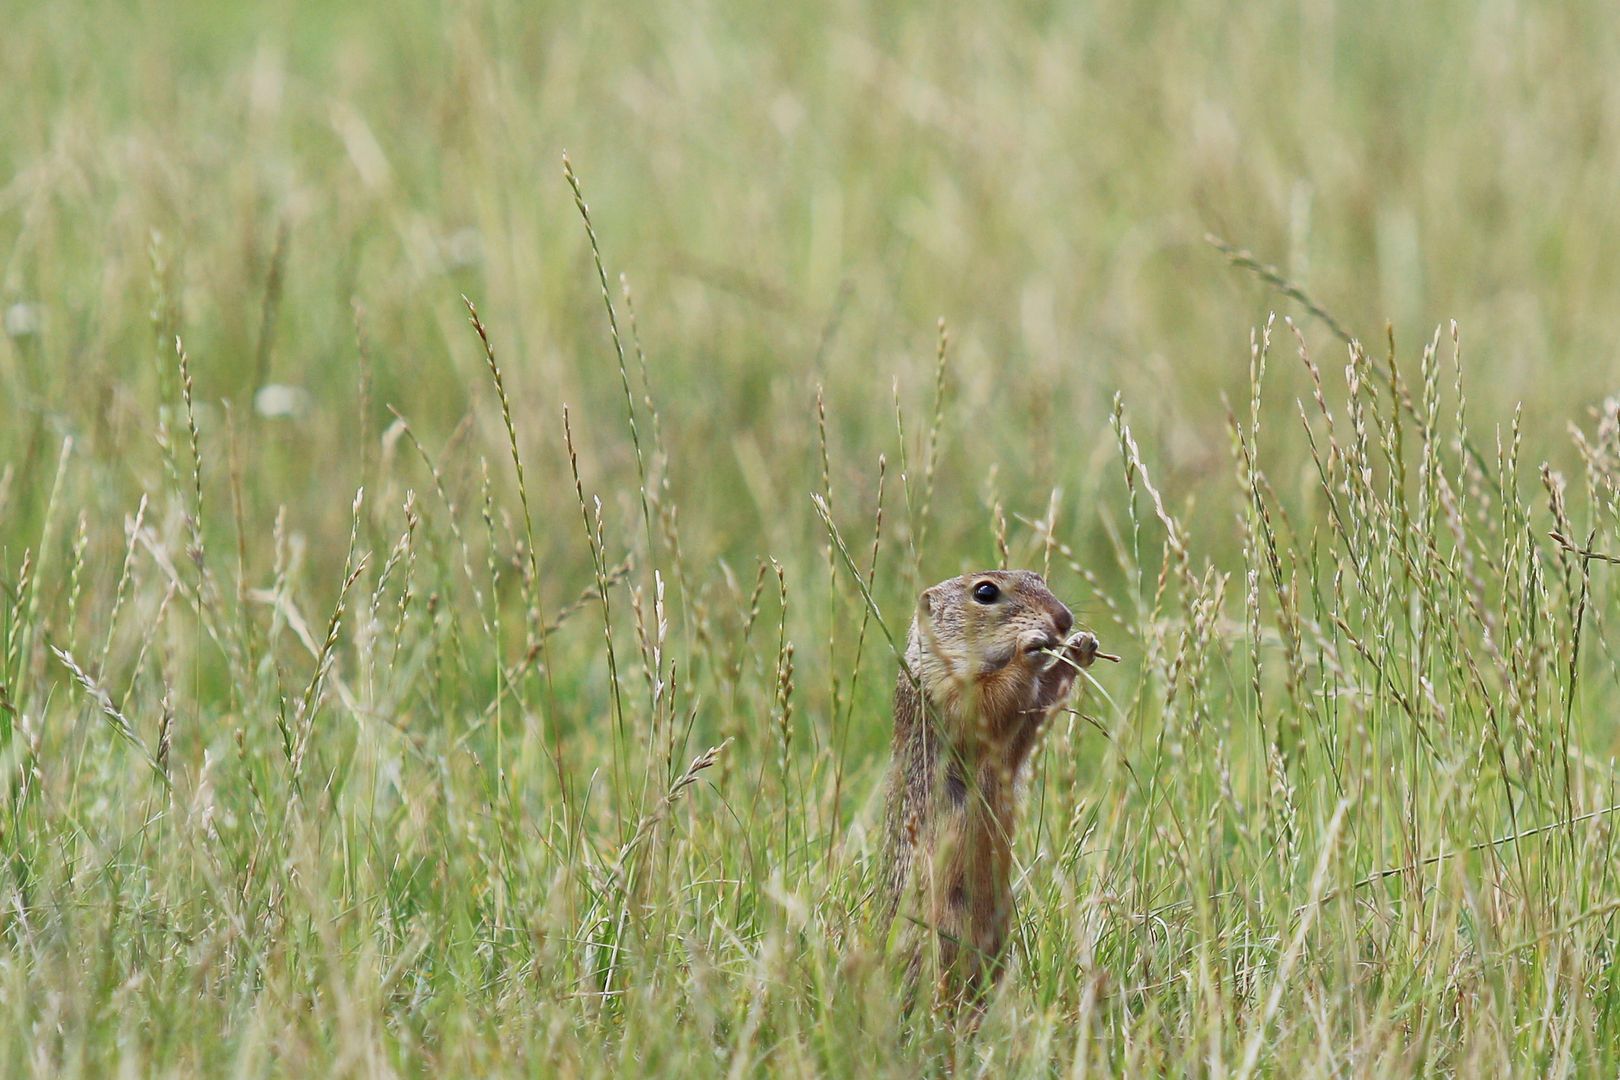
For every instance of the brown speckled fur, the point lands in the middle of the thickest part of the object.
(952, 797)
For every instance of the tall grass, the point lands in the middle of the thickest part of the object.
(422, 654)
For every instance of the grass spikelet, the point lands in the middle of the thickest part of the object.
(110, 711)
(195, 511)
(304, 718)
(531, 582)
(618, 344)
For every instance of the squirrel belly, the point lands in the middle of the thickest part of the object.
(989, 658)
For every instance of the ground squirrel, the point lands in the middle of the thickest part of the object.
(989, 658)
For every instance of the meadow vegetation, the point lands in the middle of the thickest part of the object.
(448, 597)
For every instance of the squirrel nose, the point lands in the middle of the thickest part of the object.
(1064, 620)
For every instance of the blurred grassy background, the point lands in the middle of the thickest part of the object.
(796, 193)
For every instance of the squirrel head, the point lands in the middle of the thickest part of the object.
(991, 625)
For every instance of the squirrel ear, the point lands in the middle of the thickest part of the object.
(925, 602)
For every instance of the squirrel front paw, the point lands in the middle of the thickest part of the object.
(1082, 648)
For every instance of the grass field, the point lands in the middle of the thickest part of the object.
(389, 692)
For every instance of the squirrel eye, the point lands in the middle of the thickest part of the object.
(985, 592)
